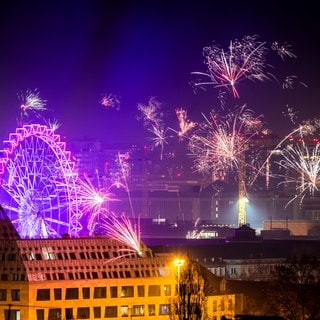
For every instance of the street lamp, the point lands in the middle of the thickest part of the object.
(178, 263)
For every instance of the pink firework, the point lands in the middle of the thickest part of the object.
(244, 59)
(122, 229)
(92, 200)
(110, 101)
(184, 124)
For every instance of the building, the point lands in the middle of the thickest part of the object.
(90, 278)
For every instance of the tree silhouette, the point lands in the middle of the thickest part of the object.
(295, 289)
(192, 289)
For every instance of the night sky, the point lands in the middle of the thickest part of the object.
(73, 52)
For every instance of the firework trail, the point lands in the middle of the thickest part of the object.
(185, 125)
(244, 59)
(122, 229)
(110, 101)
(218, 146)
(92, 200)
(301, 163)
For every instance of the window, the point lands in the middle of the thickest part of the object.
(140, 291)
(55, 314)
(40, 314)
(111, 312)
(57, 293)
(14, 314)
(164, 309)
(43, 294)
(83, 313)
(138, 310)
(222, 305)
(114, 292)
(154, 291)
(100, 292)
(86, 293)
(124, 311)
(15, 294)
(72, 256)
(96, 312)
(126, 291)
(167, 290)
(3, 294)
(72, 293)
(152, 309)
(69, 314)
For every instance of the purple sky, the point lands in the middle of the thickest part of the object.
(74, 51)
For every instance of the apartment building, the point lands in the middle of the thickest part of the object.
(91, 278)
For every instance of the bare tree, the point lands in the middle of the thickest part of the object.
(193, 286)
(295, 289)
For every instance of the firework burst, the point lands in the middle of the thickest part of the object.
(301, 163)
(185, 124)
(110, 101)
(244, 59)
(92, 200)
(218, 146)
(31, 100)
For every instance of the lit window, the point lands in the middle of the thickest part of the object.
(138, 310)
(167, 290)
(152, 309)
(124, 311)
(126, 291)
(164, 309)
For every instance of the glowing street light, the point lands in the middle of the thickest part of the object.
(178, 263)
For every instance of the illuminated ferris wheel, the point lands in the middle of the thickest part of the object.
(38, 184)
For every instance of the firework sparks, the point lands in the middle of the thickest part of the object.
(159, 139)
(150, 113)
(122, 229)
(53, 124)
(291, 114)
(284, 50)
(290, 82)
(110, 101)
(219, 145)
(92, 199)
(245, 59)
(32, 101)
(184, 124)
(301, 163)
(153, 120)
